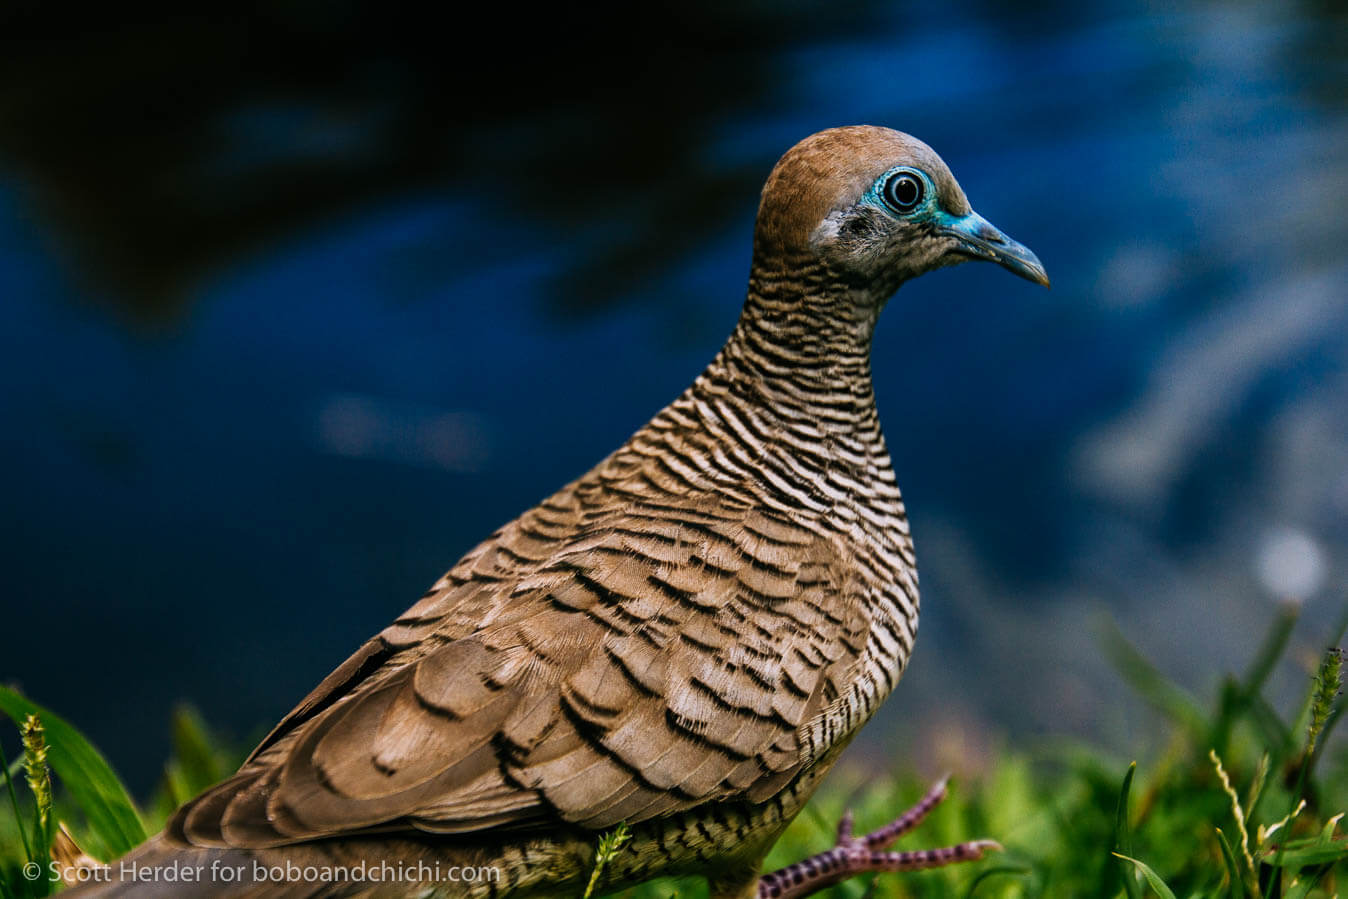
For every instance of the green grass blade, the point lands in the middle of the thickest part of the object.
(37, 774)
(196, 764)
(1121, 839)
(1303, 718)
(609, 845)
(193, 748)
(86, 775)
(1300, 889)
(1275, 732)
(1330, 723)
(1011, 870)
(1303, 853)
(14, 802)
(1157, 884)
(1272, 649)
(1322, 849)
(1153, 686)
(1232, 868)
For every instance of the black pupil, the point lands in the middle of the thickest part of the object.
(905, 191)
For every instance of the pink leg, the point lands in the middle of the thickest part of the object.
(857, 855)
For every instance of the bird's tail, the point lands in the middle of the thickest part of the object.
(380, 864)
(159, 869)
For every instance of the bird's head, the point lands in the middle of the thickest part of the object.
(878, 207)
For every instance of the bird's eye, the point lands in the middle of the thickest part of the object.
(903, 191)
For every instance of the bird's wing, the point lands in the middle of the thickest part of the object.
(648, 662)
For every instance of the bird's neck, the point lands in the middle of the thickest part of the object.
(783, 417)
(803, 346)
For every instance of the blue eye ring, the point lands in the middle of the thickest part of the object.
(903, 191)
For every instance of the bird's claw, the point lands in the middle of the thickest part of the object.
(853, 855)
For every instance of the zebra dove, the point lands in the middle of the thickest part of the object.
(681, 641)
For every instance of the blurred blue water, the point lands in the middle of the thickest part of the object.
(220, 510)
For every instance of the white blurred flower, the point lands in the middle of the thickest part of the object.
(1290, 564)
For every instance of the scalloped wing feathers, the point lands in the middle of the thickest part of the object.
(647, 662)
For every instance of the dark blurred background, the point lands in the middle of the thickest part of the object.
(295, 306)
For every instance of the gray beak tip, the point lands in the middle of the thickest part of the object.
(979, 239)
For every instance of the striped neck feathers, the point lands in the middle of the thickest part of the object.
(803, 344)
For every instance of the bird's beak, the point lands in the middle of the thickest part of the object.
(977, 238)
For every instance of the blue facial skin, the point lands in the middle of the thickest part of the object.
(975, 236)
(928, 210)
